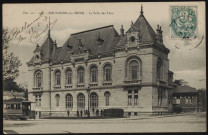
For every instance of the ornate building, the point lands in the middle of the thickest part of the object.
(127, 70)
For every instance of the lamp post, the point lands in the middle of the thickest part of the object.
(88, 92)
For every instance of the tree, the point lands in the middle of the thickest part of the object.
(202, 99)
(11, 85)
(11, 63)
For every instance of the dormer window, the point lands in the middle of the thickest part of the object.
(37, 57)
(100, 41)
(132, 39)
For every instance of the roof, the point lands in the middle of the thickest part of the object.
(96, 41)
(185, 89)
(148, 34)
(89, 41)
(13, 100)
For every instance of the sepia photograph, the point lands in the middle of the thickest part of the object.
(111, 67)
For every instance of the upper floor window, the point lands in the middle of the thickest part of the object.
(159, 69)
(38, 79)
(134, 70)
(107, 72)
(57, 99)
(57, 77)
(80, 75)
(68, 77)
(93, 74)
(107, 96)
(69, 101)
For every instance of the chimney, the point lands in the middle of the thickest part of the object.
(161, 36)
(158, 30)
(122, 31)
(54, 47)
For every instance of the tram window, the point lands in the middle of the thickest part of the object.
(18, 106)
(8, 106)
(12, 106)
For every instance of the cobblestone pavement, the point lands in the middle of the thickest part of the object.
(191, 122)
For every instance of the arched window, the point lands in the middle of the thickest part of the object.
(38, 79)
(107, 72)
(81, 101)
(69, 101)
(134, 70)
(68, 77)
(93, 100)
(159, 69)
(57, 99)
(107, 96)
(93, 74)
(80, 75)
(57, 77)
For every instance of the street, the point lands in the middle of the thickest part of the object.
(191, 122)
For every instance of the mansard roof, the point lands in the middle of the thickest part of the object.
(89, 42)
(97, 41)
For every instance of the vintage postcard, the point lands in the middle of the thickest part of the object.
(130, 67)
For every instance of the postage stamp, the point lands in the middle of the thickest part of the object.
(183, 22)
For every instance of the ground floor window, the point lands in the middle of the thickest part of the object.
(133, 96)
(69, 101)
(93, 100)
(38, 100)
(81, 101)
(107, 96)
(178, 100)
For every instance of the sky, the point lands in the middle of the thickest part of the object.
(185, 61)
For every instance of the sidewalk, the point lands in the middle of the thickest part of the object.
(161, 116)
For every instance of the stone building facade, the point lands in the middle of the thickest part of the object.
(127, 70)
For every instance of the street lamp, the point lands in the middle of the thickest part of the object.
(88, 92)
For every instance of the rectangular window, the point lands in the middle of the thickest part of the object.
(163, 93)
(178, 101)
(135, 99)
(38, 100)
(129, 99)
(186, 100)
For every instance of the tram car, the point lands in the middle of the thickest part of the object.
(17, 108)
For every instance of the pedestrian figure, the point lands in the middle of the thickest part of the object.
(77, 113)
(93, 110)
(68, 113)
(97, 112)
(101, 112)
(81, 113)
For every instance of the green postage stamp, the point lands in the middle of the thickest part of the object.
(183, 23)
